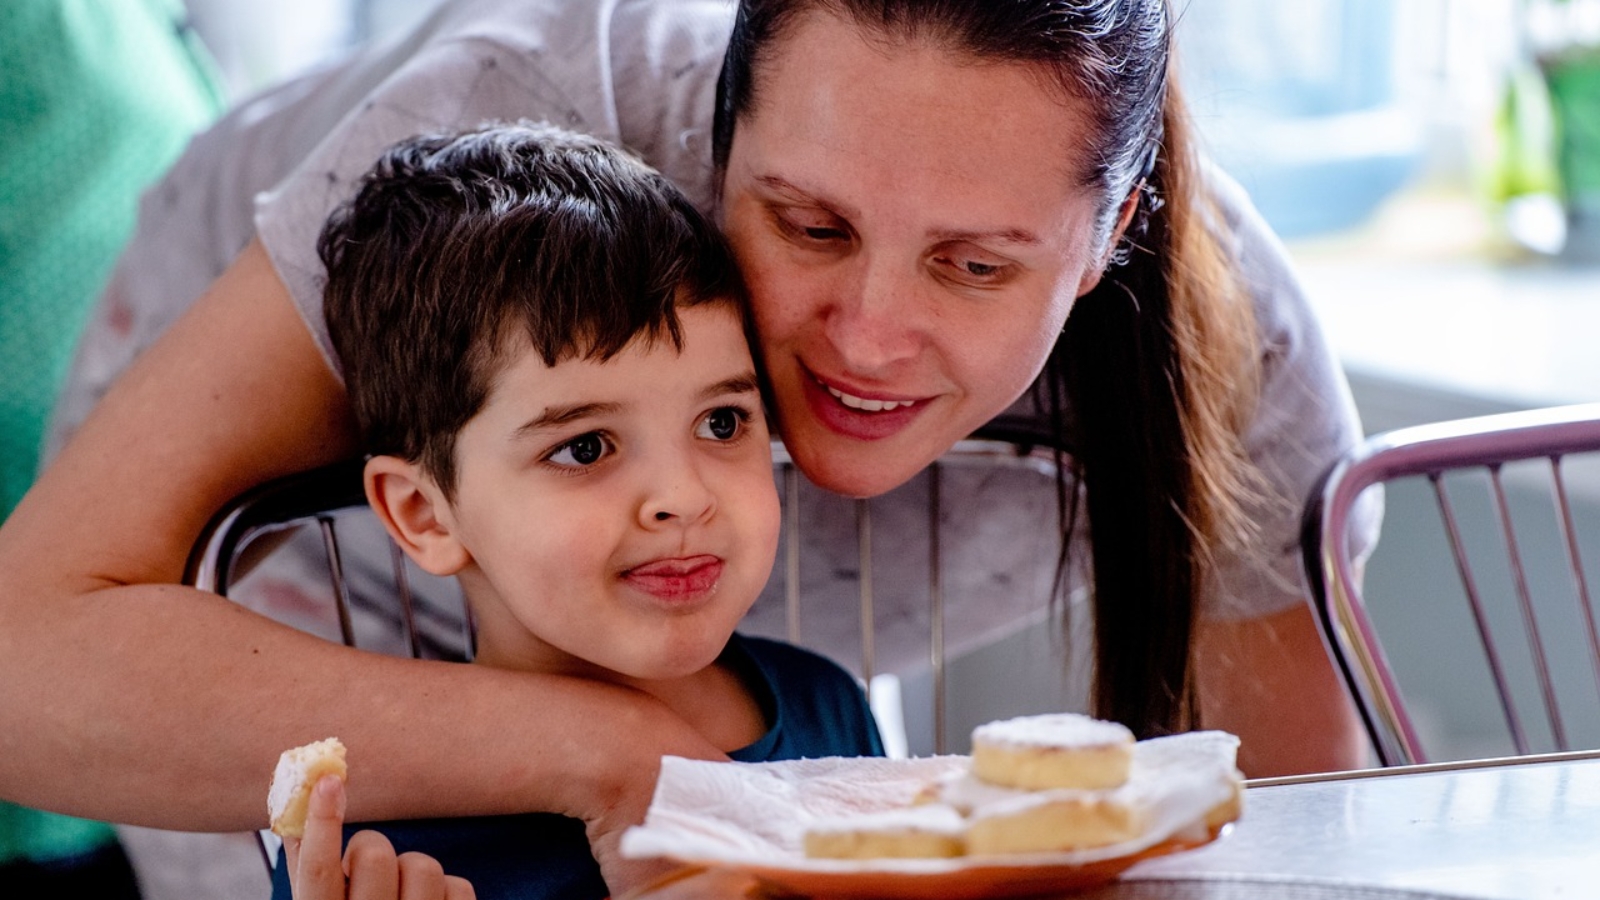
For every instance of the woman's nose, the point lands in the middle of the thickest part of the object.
(875, 320)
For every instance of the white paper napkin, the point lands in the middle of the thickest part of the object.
(756, 814)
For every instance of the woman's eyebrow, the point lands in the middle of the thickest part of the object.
(784, 186)
(942, 235)
(996, 235)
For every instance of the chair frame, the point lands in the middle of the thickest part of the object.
(220, 554)
(1484, 442)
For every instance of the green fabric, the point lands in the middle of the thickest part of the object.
(97, 99)
(1575, 92)
(43, 837)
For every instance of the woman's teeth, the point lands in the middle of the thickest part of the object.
(867, 405)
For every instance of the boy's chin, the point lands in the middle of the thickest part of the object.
(671, 664)
(669, 669)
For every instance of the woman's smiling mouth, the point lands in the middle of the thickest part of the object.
(854, 416)
(863, 404)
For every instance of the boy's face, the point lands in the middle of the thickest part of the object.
(620, 516)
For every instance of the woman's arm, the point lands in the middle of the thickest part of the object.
(129, 698)
(1269, 681)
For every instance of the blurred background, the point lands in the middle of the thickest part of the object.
(1433, 167)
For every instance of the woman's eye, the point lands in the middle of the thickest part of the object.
(813, 227)
(721, 424)
(583, 450)
(970, 269)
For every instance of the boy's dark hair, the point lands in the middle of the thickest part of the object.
(455, 245)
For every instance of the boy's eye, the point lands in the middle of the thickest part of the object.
(583, 450)
(721, 424)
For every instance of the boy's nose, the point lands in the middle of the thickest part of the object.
(682, 497)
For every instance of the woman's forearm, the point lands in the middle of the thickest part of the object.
(166, 707)
(124, 696)
(1269, 680)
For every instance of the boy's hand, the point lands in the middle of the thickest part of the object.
(370, 870)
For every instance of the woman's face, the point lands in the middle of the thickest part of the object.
(913, 229)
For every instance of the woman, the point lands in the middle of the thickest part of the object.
(919, 194)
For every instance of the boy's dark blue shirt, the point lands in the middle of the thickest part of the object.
(813, 709)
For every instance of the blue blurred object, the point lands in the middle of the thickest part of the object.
(1299, 102)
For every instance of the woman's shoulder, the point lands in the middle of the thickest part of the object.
(1303, 418)
(638, 72)
(624, 70)
(1261, 261)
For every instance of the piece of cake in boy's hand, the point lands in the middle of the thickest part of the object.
(297, 773)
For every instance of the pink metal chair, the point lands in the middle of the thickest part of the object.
(345, 581)
(371, 596)
(1515, 623)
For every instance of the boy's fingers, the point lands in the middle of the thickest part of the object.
(421, 877)
(291, 859)
(369, 862)
(458, 889)
(315, 871)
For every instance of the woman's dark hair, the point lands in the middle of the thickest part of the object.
(1150, 384)
(455, 245)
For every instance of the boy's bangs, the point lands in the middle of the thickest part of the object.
(586, 285)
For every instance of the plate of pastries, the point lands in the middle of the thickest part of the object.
(1043, 804)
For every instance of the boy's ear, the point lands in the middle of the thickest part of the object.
(414, 512)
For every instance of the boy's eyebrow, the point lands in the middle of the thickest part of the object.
(738, 384)
(555, 416)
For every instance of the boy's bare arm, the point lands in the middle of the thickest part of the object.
(133, 699)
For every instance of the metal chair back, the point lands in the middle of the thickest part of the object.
(259, 521)
(1520, 567)
(377, 599)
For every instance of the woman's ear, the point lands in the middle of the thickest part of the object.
(1092, 275)
(415, 513)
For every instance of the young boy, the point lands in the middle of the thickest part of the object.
(545, 348)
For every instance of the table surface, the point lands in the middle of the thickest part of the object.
(1527, 829)
(1499, 830)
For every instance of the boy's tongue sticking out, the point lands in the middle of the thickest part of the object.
(675, 579)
